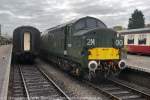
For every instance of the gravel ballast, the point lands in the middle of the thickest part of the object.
(75, 88)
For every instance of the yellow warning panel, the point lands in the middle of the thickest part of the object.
(103, 54)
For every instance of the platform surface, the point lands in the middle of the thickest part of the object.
(139, 62)
(5, 62)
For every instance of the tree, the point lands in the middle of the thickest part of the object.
(137, 20)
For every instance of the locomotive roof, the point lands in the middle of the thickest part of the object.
(72, 22)
(135, 31)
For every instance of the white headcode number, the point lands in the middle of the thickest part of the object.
(119, 42)
(90, 41)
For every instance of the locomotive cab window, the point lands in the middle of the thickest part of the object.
(27, 41)
(130, 39)
(142, 39)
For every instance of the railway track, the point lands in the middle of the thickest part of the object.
(118, 91)
(30, 82)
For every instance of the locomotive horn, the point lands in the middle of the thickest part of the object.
(122, 64)
(92, 66)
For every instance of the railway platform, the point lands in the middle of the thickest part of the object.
(137, 62)
(5, 62)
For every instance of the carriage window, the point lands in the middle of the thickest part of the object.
(142, 39)
(131, 39)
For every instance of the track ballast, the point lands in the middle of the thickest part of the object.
(118, 91)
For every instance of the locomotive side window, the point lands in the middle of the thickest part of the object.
(142, 39)
(131, 39)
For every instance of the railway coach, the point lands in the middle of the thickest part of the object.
(84, 47)
(137, 41)
(26, 41)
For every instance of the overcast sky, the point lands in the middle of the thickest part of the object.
(44, 14)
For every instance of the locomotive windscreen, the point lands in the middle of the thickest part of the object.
(27, 43)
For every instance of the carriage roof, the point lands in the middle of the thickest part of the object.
(135, 31)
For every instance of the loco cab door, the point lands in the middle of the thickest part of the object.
(26, 42)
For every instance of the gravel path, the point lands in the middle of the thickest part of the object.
(75, 88)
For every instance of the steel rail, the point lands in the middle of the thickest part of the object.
(50, 80)
(102, 91)
(24, 84)
(113, 96)
(130, 88)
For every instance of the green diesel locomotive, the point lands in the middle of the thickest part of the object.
(84, 47)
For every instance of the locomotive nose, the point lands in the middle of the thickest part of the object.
(92, 65)
(122, 64)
